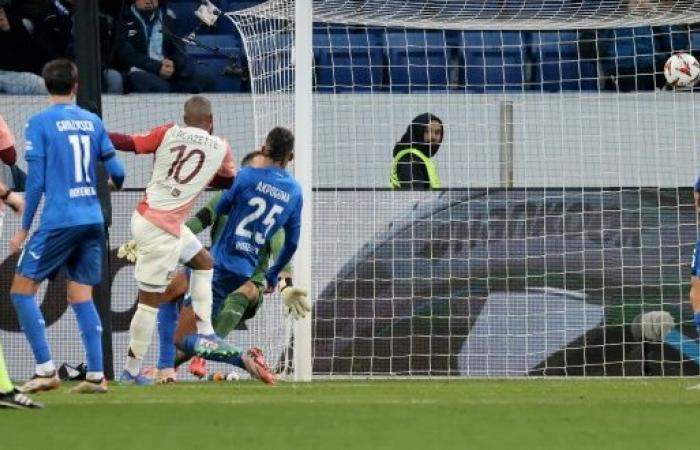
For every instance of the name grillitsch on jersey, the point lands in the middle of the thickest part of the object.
(75, 125)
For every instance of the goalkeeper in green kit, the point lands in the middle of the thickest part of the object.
(239, 306)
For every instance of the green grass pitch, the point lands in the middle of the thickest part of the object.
(332, 415)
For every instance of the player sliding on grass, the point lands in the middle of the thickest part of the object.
(186, 160)
(239, 306)
(64, 145)
(260, 202)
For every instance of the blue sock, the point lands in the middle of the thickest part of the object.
(697, 321)
(687, 347)
(189, 343)
(91, 333)
(33, 324)
(167, 321)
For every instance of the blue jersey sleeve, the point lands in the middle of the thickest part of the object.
(292, 231)
(112, 164)
(697, 184)
(35, 154)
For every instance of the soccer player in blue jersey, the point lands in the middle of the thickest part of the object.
(260, 202)
(64, 145)
(695, 265)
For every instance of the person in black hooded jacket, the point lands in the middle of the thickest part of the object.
(412, 166)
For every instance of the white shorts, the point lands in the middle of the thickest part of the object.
(159, 253)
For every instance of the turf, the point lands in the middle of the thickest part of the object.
(426, 415)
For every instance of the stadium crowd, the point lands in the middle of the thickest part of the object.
(146, 46)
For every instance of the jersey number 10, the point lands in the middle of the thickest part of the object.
(260, 206)
(81, 156)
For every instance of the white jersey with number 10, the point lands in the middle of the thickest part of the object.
(186, 160)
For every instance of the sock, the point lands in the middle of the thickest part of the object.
(140, 334)
(91, 334)
(34, 327)
(167, 321)
(697, 321)
(200, 288)
(687, 347)
(189, 346)
(5, 382)
(231, 313)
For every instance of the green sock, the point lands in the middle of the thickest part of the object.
(230, 314)
(5, 382)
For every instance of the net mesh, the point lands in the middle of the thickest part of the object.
(564, 219)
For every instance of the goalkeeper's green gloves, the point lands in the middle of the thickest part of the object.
(295, 299)
(128, 251)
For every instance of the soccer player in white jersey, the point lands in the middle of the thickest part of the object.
(187, 160)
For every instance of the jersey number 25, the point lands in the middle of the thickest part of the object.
(260, 206)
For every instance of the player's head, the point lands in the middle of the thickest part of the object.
(61, 77)
(424, 133)
(254, 159)
(198, 113)
(279, 146)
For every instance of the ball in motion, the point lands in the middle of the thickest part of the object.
(682, 70)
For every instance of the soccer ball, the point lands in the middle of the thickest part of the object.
(682, 70)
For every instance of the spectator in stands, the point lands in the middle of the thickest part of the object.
(18, 55)
(413, 167)
(152, 55)
(54, 32)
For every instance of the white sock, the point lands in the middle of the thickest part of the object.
(200, 290)
(44, 369)
(140, 335)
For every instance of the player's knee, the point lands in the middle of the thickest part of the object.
(23, 285)
(251, 293)
(202, 261)
(78, 292)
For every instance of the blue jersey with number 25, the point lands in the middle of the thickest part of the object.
(66, 141)
(260, 202)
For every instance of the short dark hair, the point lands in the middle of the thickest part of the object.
(279, 143)
(60, 75)
(249, 157)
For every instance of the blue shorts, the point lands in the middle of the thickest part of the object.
(222, 284)
(695, 263)
(77, 249)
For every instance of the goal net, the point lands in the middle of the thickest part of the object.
(560, 240)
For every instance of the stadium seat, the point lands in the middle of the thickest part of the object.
(494, 60)
(558, 65)
(348, 61)
(186, 21)
(222, 52)
(418, 60)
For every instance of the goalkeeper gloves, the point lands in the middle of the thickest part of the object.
(295, 299)
(128, 251)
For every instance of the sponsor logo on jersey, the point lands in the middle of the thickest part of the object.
(85, 191)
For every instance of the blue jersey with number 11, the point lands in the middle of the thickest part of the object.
(66, 141)
(260, 202)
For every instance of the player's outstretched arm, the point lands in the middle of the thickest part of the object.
(140, 143)
(205, 217)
